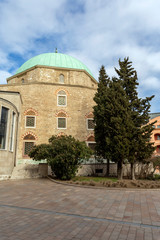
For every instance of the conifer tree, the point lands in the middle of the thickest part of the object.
(100, 116)
(140, 146)
(119, 125)
(112, 118)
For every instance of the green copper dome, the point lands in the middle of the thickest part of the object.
(54, 60)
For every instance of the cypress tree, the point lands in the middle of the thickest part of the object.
(140, 132)
(119, 124)
(112, 118)
(100, 116)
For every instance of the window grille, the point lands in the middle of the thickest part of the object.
(61, 122)
(28, 147)
(30, 121)
(90, 124)
(61, 100)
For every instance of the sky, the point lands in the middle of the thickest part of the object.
(96, 32)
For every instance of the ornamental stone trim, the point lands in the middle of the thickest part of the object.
(62, 89)
(89, 115)
(31, 133)
(90, 138)
(30, 110)
(61, 112)
(61, 134)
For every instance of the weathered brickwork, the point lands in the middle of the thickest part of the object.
(38, 88)
(51, 75)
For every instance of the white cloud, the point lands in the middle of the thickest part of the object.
(151, 83)
(3, 76)
(97, 34)
(24, 21)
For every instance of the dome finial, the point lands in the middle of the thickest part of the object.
(56, 51)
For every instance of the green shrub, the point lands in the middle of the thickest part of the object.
(64, 154)
(150, 176)
(156, 177)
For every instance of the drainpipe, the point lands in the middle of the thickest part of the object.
(16, 139)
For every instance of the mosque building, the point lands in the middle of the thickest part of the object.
(50, 94)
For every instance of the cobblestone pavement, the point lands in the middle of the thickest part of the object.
(42, 210)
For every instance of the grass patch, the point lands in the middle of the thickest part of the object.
(95, 179)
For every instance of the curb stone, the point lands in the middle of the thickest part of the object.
(102, 188)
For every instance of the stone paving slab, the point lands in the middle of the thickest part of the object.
(41, 209)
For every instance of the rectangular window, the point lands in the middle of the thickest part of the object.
(61, 122)
(158, 126)
(12, 131)
(90, 124)
(3, 127)
(61, 100)
(28, 147)
(30, 121)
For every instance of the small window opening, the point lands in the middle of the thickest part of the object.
(62, 123)
(29, 142)
(90, 124)
(61, 78)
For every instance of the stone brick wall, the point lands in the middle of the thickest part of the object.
(141, 170)
(51, 75)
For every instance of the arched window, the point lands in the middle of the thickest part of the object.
(22, 80)
(29, 142)
(61, 78)
(61, 120)
(30, 121)
(62, 98)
